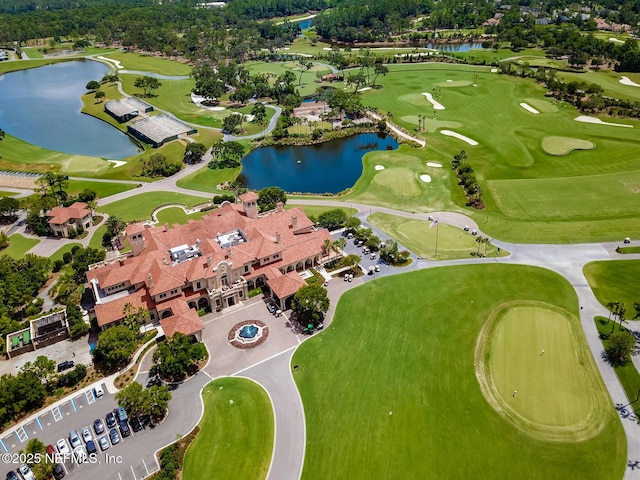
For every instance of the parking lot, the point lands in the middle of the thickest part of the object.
(130, 459)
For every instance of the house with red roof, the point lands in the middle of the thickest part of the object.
(207, 264)
(63, 219)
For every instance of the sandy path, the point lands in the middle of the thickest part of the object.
(450, 133)
(436, 105)
(597, 121)
(529, 108)
(627, 81)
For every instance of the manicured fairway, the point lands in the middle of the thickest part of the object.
(403, 399)
(615, 281)
(317, 210)
(148, 63)
(142, 206)
(19, 245)
(531, 360)
(102, 189)
(236, 433)
(418, 237)
(207, 179)
(176, 215)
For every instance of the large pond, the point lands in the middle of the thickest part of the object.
(42, 106)
(328, 167)
(455, 47)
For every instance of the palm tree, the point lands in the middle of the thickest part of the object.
(115, 225)
(92, 204)
(327, 246)
(340, 243)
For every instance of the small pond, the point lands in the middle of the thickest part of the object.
(328, 167)
(455, 47)
(42, 107)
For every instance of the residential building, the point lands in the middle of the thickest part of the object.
(62, 219)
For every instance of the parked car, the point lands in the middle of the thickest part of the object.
(98, 426)
(86, 434)
(58, 471)
(377, 267)
(80, 453)
(136, 424)
(91, 447)
(26, 472)
(111, 420)
(63, 447)
(271, 307)
(121, 414)
(11, 475)
(125, 431)
(66, 365)
(103, 441)
(627, 240)
(98, 392)
(113, 435)
(74, 439)
(50, 450)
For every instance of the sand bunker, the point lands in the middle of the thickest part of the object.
(449, 133)
(449, 81)
(364, 89)
(434, 164)
(529, 108)
(436, 105)
(494, 70)
(425, 178)
(628, 81)
(585, 119)
(616, 40)
(117, 163)
(379, 167)
(197, 99)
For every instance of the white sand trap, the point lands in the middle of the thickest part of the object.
(117, 163)
(449, 133)
(436, 105)
(616, 40)
(434, 164)
(628, 81)
(364, 89)
(494, 70)
(585, 119)
(117, 63)
(425, 178)
(247, 117)
(197, 99)
(529, 108)
(379, 167)
(327, 49)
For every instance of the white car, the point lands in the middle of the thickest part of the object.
(26, 472)
(80, 453)
(86, 434)
(104, 443)
(63, 447)
(98, 392)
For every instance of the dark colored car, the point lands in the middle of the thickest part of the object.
(125, 431)
(111, 420)
(12, 475)
(98, 426)
(113, 435)
(136, 424)
(91, 447)
(58, 471)
(67, 364)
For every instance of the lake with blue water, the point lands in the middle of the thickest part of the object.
(42, 107)
(328, 167)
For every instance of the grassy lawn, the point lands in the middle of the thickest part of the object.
(58, 254)
(417, 236)
(207, 179)
(175, 215)
(142, 206)
(147, 63)
(103, 189)
(96, 239)
(610, 81)
(317, 210)
(628, 250)
(627, 374)
(306, 85)
(7, 194)
(415, 408)
(19, 245)
(615, 280)
(236, 433)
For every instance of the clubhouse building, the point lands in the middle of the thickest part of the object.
(208, 264)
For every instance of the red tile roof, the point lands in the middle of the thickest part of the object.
(113, 311)
(286, 284)
(186, 322)
(61, 215)
(249, 197)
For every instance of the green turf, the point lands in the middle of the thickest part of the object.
(629, 250)
(208, 180)
(142, 206)
(317, 210)
(103, 189)
(417, 236)
(58, 254)
(308, 83)
(564, 145)
(7, 194)
(403, 401)
(532, 366)
(610, 81)
(175, 215)
(148, 63)
(236, 433)
(615, 281)
(19, 245)
(96, 239)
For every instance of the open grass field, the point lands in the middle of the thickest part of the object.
(414, 407)
(615, 281)
(236, 433)
(148, 63)
(175, 215)
(610, 81)
(511, 155)
(308, 84)
(19, 245)
(58, 254)
(317, 210)
(144, 204)
(207, 179)
(532, 368)
(417, 236)
(103, 189)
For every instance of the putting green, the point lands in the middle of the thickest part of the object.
(532, 369)
(432, 125)
(543, 106)
(81, 163)
(564, 145)
(415, 99)
(400, 180)
(455, 83)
